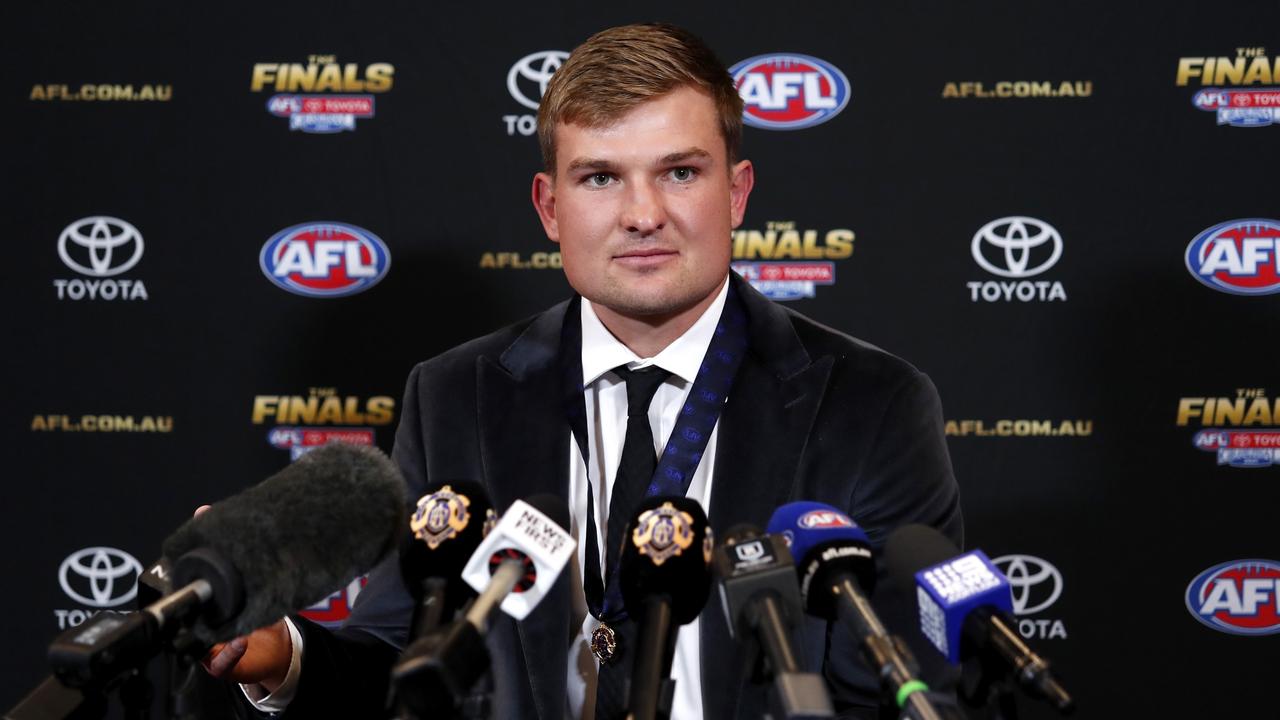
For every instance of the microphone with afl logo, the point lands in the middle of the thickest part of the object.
(445, 529)
(664, 577)
(513, 568)
(250, 560)
(964, 603)
(837, 573)
(762, 605)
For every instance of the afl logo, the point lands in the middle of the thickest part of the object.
(1241, 257)
(824, 519)
(788, 91)
(1241, 597)
(325, 259)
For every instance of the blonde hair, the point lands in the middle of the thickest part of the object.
(617, 69)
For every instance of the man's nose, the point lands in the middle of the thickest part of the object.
(644, 213)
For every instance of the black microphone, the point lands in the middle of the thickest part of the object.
(445, 528)
(251, 559)
(837, 573)
(513, 568)
(964, 605)
(664, 577)
(762, 602)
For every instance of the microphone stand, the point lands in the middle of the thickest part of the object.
(797, 694)
(886, 654)
(652, 690)
(987, 679)
(51, 700)
(435, 673)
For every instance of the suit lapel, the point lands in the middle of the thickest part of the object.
(524, 451)
(762, 435)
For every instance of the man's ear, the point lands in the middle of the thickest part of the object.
(742, 177)
(544, 201)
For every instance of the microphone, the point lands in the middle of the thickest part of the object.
(513, 568)
(965, 604)
(664, 578)
(837, 572)
(534, 536)
(445, 529)
(761, 601)
(249, 560)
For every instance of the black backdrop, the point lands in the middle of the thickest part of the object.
(957, 116)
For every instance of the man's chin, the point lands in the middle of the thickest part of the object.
(653, 306)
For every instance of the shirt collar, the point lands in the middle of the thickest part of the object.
(602, 352)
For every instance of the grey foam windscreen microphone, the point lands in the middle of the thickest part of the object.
(292, 539)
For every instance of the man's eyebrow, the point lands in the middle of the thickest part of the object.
(602, 165)
(588, 163)
(693, 153)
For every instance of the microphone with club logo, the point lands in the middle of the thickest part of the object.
(251, 559)
(664, 577)
(964, 603)
(513, 568)
(762, 603)
(837, 573)
(446, 527)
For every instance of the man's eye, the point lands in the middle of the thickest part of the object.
(683, 174)
(598, 180)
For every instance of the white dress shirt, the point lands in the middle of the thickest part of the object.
(606, 401)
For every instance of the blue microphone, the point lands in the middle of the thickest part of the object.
(965, 604)
(837, 571)
(824, 542)
(950, 591)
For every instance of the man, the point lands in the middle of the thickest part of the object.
(642, 187)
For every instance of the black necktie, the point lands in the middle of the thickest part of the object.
(635, 471)
(639, 459)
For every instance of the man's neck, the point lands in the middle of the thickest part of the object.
(648, 335)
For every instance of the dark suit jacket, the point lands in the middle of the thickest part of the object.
(813, 415)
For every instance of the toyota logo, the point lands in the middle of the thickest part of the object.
(109, 575)
(1035, 583)
(103, 246)
(1005, 247)
(536, 69)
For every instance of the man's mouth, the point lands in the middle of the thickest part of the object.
(645, 253)
(645, 258)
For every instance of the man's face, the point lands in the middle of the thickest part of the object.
(643, 209)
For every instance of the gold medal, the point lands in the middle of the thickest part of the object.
(604, 643)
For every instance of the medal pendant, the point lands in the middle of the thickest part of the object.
(604, 643)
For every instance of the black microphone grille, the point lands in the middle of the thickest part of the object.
(554, 507)
(301, 533)
(447, 510)
(445, 528)
(666, 550)
(741, 532)
(912, 548)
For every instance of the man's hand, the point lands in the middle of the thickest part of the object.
(261, 657)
